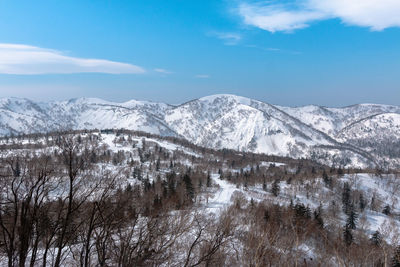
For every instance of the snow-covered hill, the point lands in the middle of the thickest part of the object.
(226, 121)
(25, 116)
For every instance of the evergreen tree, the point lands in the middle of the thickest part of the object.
(266, 216)
(362, 203)
(276, 188)
(318, 216)
(327, 180)
(165, 189)
(158, 164)
(376, 238)
(93, 157)
(208, 180)
(171, 183)
(346, 197)
(302, 211)
(137, 173)
(348, 236)
(141, 155)
(386, 210)
(373, 203)
(221, 174)
(17, 169)
(352, 218)
(157, 201)
(128, 188)
(189, 187)
(143, 144)
(146, 184)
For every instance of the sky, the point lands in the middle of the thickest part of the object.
(293, 53)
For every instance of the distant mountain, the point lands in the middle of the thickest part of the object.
(360, 135)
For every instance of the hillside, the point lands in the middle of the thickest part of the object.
(143, 199)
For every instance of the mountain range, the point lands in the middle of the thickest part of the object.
(364, 135)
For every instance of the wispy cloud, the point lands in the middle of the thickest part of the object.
(163, 71)
(229, 38)
(273, 49)
(202, 76)
(28, 60)
(374, 14)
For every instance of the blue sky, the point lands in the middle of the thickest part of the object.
(333, 52)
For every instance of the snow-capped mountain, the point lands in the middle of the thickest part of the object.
(353, 135)
(25, 116)
(333, 120)
(226, 121)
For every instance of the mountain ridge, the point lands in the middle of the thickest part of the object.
(225, 121)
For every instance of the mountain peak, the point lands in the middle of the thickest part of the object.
(88, 100)
(216, 97)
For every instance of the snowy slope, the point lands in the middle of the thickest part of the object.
(317, 117)
(24, 116)
(227, 121)
(378, 127)
(222, 121)
(333, 120)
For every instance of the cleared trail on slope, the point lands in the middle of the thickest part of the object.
(222, 198)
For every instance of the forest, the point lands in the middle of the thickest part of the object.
(125, 198)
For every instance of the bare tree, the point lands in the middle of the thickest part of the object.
(208, 240)
(24, 191)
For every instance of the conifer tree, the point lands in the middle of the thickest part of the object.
(327, 180)
(17, 169)
(189, 186)
(318, 216)
(208, 180)
(362, 203)
(276, 188)
(171, 183)
(348, 236)
(376, 238)
(264, 185)
(386, 210)
(352, 218)
(346, 196)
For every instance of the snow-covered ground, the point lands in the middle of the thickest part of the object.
(223, 196)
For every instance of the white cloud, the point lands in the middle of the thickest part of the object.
(277, 17)
(374, 14)
(25, 59)
(163, 71)
(229, 38)
(202, 76)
